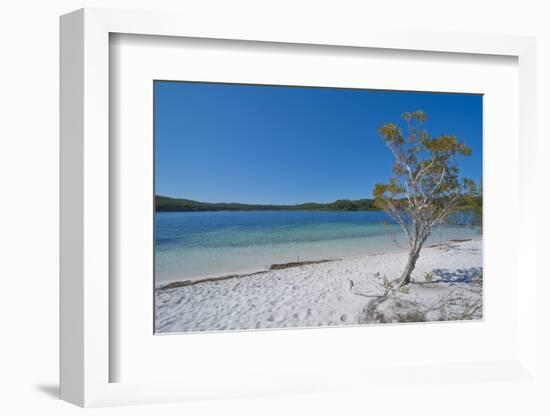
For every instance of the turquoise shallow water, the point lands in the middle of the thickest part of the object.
(190, 245)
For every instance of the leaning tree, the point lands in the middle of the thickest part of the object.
(425, 186)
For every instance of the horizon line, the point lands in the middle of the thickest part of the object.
(264, 203)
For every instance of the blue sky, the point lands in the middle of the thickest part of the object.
(287, 145)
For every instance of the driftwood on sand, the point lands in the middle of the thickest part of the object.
(280, 266)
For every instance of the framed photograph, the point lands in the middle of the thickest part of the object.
(329, 216)
(265, 211)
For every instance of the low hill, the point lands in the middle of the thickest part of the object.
(166, 204)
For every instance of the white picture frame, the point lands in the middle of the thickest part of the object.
(86, 303)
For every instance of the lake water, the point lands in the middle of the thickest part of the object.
(191, 245)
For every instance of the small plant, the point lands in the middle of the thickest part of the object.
(386, 283)
(405, 289)
(429, 276)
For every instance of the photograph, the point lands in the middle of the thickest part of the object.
(280, 206)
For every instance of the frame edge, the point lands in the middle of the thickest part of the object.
(71, 201)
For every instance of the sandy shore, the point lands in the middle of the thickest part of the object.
(447, 286)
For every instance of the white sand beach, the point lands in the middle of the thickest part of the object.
(447, 285)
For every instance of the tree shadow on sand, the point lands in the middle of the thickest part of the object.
(470, 275)
(456, 295)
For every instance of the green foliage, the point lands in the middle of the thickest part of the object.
(425, 186)
(472, 203)
(163, 203)
(349, 205)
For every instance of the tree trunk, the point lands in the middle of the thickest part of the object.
(411, 263)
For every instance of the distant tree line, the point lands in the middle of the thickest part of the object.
(164, 204)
